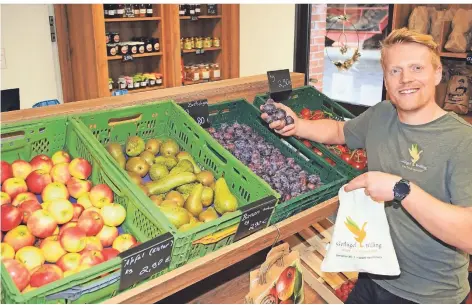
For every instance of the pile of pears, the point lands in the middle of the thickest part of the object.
(187, 195)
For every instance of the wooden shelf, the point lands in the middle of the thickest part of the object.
(135, 55)
(146, 89)
(132, 19)
(188, 83)
(453, 55)
(207, 49)
(201, 17)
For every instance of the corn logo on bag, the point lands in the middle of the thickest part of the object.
(279, 280)
(361, 240)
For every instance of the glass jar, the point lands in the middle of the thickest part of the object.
(141, 47)
(187, 44)
(181, 43)
(204, 72)
(207, 42)
(195, 73)
(133, 48)
(111, 11)
(158, 79)
(149, 45)
(120, 10)
(136, 10)
(216, 42)
(111, 49)
(115, 37)
(199, 43)
(193, 42)
(156, 45)
(142, 10)
(123, 48)
(108, 37)
(215, 72)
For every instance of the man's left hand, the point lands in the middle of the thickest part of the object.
(378, 185)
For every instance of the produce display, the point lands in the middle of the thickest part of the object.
(54, 222)
(356, 158)
(343, 292)
(187, 195)
(283, 174)
(138, 81)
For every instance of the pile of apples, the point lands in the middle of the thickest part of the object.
(54, 222)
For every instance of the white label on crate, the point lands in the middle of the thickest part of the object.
(288, 145)
(304, 157)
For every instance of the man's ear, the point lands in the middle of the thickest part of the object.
(438, 75)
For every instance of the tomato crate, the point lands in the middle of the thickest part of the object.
(242, 112)
(99, 282)
(167, 120)
(309, 97)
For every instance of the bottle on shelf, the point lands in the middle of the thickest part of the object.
(142, 10)
(181, 9)
(112, 11)
(136, 10)
(149, 10)
(197, 10)
(105, 10)
(192, 9)
(120, 10)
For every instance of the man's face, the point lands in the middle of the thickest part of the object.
(410, 77)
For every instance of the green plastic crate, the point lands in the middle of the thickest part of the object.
(309, 97)
(166, 119)
(244, 113)
(24, 141)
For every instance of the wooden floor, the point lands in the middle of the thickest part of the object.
(229, 286)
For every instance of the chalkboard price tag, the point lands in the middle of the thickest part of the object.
(127, 57)
(145, 260)
(194, 18)
(255, 217)
(198, 110)
(199, 51)
(211, 9)
(280, 84)
(468, 59)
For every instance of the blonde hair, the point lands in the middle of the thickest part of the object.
(405, 35)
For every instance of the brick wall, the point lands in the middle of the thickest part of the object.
(317, 44)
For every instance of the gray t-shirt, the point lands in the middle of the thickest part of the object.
(437, 157)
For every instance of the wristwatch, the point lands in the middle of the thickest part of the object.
(400, 191)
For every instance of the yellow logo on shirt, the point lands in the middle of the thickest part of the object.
(415, 154)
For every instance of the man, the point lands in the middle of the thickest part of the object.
(420, 166)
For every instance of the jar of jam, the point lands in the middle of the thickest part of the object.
(136, 10)
(187, 44)
(199, 43)
(142, 10)
(129, 83)
(181, 43)
(144, 82)
(110, 84)
(133, 48)
(192, 41)
(122, 83)
(149, 45)
(156, 44)
(216, 42)
(123, 48)
(111, 49)
(215, 72)
(141, 47)
(115, 37)
(195, 73)
(158, 79)
(204, 72)
(207, 42)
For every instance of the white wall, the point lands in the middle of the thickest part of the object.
(266, 37)
(31, 57)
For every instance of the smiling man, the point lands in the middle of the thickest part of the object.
(420, 166)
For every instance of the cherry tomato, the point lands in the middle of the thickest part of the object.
(358, 165)
(341, 148)
(307, 143)
(330, 161)
(305, 112)
(317, 151)
(346, 157)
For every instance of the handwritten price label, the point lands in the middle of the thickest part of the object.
(255, 217)
(280, 84)
(198, 110)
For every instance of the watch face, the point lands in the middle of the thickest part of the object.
(402, 188)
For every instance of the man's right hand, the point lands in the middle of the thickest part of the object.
(279, 126)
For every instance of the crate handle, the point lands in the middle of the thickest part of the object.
(15, 135)
(76, 292)
(217, 154)
(124, 120)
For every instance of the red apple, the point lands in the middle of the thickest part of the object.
(60, 173)
(41, 223)
(100, 195)
(45, 274)
(6, 171)
(37, 180)
(19, 237)
(92, 243)
(70, 224)
(14, 186)
(92, 258)
(5, 198)
(52, 249)
(21, 169)
(60, 157)
(19, 274)
(113, 214)
(124, 242)
(69, 261)
(11, 217)
(78, 209)
(80, 168)
(108, 235)
(78, 187)
(42, 162)
(73, 239)
(7, 251)
(61, 210)
(110, 253)
(91, 223)
(22, 197)
(30, 256)
(55, 190)
(27, 208)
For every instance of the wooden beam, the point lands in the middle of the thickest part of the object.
(245, 87)
(180, 278)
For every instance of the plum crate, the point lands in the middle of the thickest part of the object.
(244, 113)
(309, 97)
(100, 282)
(165, 119)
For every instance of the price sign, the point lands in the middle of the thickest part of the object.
(211, 9)
(127, 57)
(255, 217)
(198, 110)
(468, 59)
(194, 18)
(280, 84)
(199, 51)
(147, 259)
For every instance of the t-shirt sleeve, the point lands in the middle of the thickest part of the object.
(355, 130)
(460, 176)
